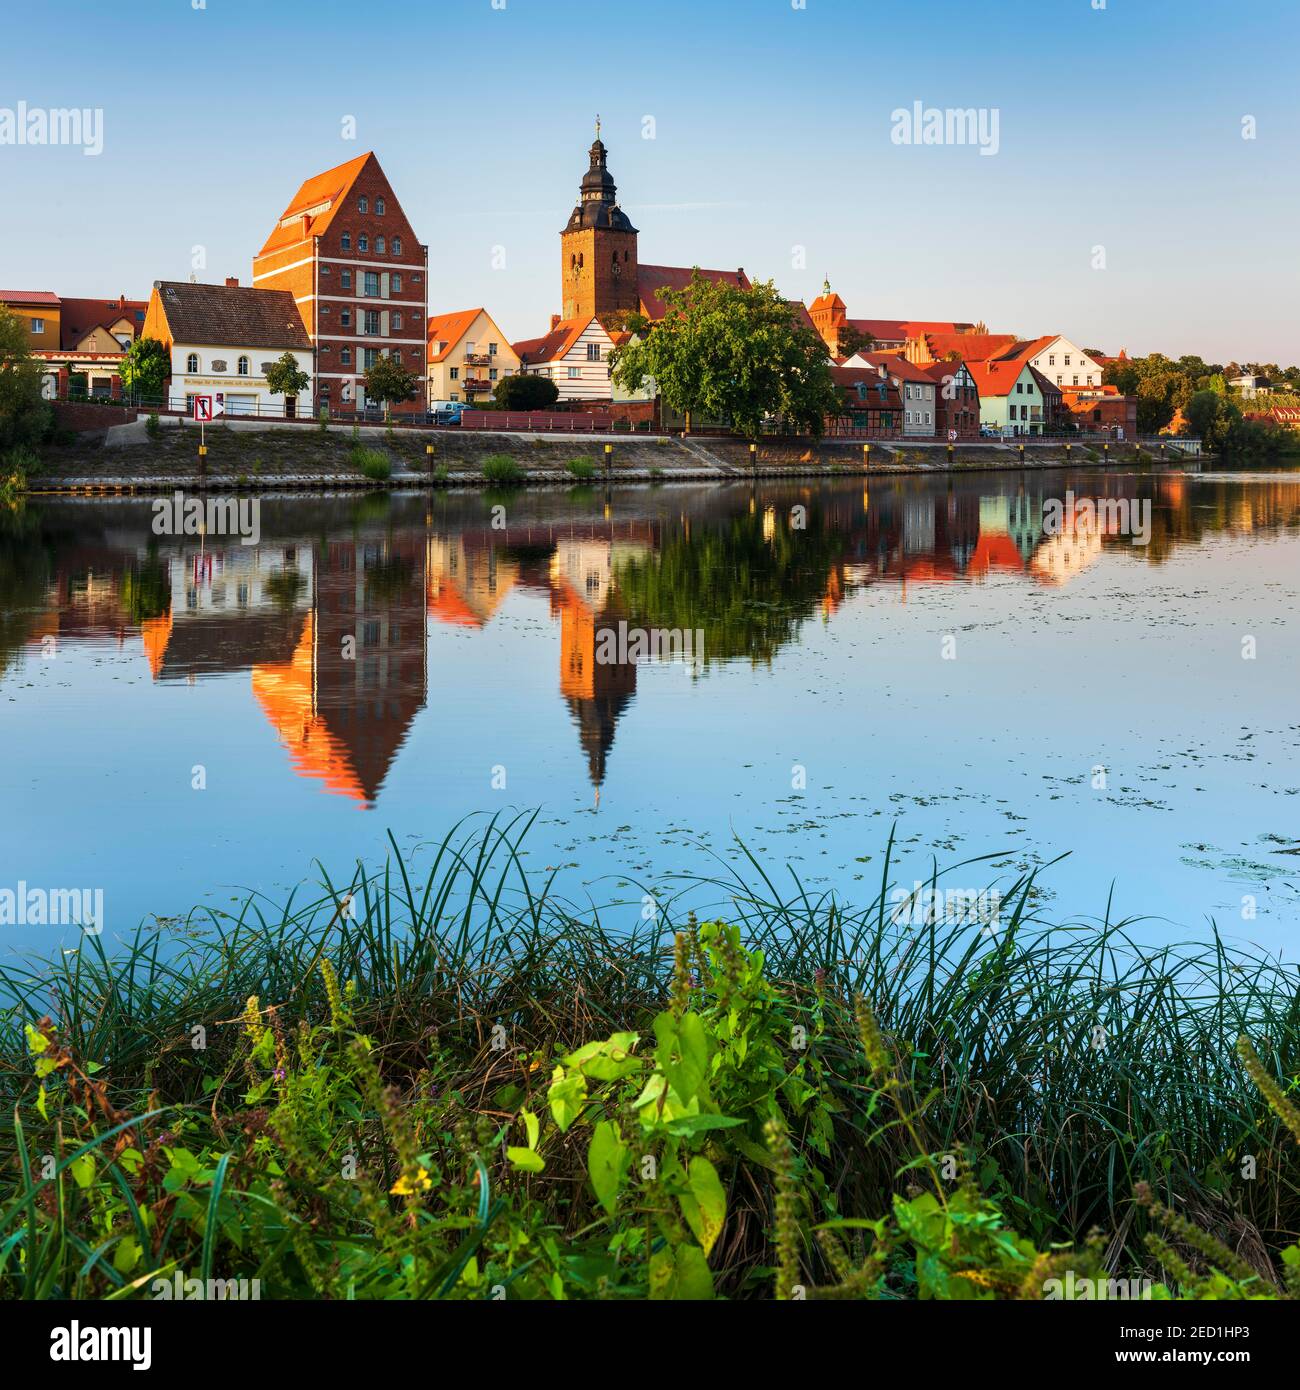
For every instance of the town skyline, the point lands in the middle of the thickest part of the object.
(790, 191)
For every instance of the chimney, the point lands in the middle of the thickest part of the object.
(232, 282)
(555, 322)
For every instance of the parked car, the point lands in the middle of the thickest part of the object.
(445, 412)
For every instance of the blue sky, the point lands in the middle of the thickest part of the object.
(1118, 128)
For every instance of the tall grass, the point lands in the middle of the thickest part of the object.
(1071, 1061)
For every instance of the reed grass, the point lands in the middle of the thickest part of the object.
(1069, 1061)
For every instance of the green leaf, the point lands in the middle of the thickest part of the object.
(610, 1060)
(705, 1204)
(127, 1255)
(566, 1097)
(680, 1274)
(83, 1170)
(683, 1053)
(608, 1158)
(529, 1160)
(530, 1125)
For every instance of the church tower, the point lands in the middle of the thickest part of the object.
(598, 273)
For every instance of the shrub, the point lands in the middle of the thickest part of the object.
(581, 467)
(152, 428)
(370, 462)
(323, 419)
(501, 468)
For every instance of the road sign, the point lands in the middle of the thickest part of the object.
(952, 436)
(209, 407)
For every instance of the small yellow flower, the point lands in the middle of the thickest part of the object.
(408, 1187)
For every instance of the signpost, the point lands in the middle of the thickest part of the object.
(207, 408)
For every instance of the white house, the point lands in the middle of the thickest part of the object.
(1250, 385)
(574, 355)
(224, 338)
(1060, 361)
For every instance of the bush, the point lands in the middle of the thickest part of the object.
(581, 467)
(501, 468)
(323, 419)
(20, 463)
(370, 462)
(152, 427)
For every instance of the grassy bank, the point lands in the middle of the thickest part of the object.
(465, 1084)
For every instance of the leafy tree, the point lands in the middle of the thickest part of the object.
(1211, 415)
(388, 381)
(24, 415)
(145, 368)
(525, 391)
(732, 353)
(285, 378)
(850, 340)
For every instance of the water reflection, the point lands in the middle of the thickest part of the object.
(331, 614)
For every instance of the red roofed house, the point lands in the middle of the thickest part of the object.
(873, 404)
(1010, 392)
(915, 386)
(957, 400)
(359, 275)
(574, 355)
(830, 316)
(929, 346)
(467, 355)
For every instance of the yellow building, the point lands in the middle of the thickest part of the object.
(468, 355)
(39, 313)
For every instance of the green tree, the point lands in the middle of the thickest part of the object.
(731, 353)
(850, 340)
(145, 368)
(1211, 415)
(388, 381)
(525, 391)
(285, 378)
(24, 414)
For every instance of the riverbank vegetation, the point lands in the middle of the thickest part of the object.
(467, 1086)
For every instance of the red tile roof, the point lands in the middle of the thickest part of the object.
(996, 377)
(848, 378)
(231, 315)
(970, 347)
(553, 345)
(29, 297)
(899, 330)
(319, 198)
(898, 366)
(82, 316)
(651, 279)
(449, 329)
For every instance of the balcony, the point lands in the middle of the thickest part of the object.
(472, 384)
(476, 359)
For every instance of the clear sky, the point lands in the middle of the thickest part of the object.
(1118, 127)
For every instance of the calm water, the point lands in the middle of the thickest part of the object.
(921, 653)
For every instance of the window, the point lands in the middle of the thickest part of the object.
(492, 373)
(396, 355)
(345, 356)
(1067, 359)
(455, 373)
(324, 270)
(371, 323)
(379, 207)
(345, 279)
(492, 349)
(369, 357)
(363, 205)
(415, 279)
(927, 417)
(192, 362)
(574, 372)
(363, 242)
(1076, 380)
(1051, 361)
(242, 366)
(38, 325)
(455, 395)
(397, 246)
(379, 245)
(371, 290)
(346, 241)
(396, 282)
(345, 318)
(397, 320)
(593, 352)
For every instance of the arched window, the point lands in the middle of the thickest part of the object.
(363, 242)
(379, 245)
(397, 246)
(347, 241)
(379, 207)
(243, 366)
(192, 362)
(363, 205)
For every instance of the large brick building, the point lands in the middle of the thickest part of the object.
(359, 275)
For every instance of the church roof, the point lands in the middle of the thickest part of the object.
(651, 280)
